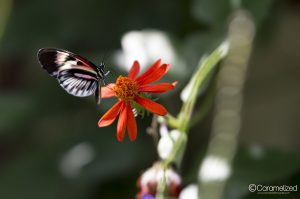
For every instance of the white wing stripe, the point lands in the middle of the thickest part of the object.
(78, 87)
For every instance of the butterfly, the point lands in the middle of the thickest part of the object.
(75, 74)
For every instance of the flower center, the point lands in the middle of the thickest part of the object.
(125, 88)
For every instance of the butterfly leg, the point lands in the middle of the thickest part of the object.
(107, 73)
(104, 82)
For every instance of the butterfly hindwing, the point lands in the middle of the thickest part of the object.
(77, 82)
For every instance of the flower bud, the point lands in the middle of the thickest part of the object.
(149, 180)
(166, 142)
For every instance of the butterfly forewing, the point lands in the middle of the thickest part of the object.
(77, 75)
(54, 60)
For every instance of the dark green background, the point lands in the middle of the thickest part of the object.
(39, 122)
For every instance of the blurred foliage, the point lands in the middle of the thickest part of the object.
(5, 9)
(261, 166)
(254, 164)
(39, 122)
(215, 13)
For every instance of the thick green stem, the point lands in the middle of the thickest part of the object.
(216, 166)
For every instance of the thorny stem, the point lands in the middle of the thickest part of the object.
(205, 66)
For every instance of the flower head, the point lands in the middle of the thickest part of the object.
(149, 180)
(128, 90)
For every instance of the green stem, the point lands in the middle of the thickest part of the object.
(168, 119)
(205, 66)
(205, 107)
(161, 188)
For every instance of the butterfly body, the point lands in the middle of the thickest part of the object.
(75, 74)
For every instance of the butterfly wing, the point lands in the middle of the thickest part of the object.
(54, 60)
(78, 82)
(75, 74)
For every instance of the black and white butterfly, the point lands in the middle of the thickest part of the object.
(75, 74)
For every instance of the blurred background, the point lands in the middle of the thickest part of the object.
(50, 144)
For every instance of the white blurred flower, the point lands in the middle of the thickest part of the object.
(185, 93)
(189, 192)
(224, 47)
(166, 142)
(175, 134)
(214, 168)
(76, 158)
(146, 46)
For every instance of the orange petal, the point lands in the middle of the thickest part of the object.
(155, 75)
(131, 124)
(121, 127)
(157, 88)
(107, 91)
(150, 70)
(110, 116)
(134, 70)
(151, 106)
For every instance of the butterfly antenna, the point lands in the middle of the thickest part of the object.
(111, 71)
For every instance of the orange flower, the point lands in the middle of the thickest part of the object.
(127, 90)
